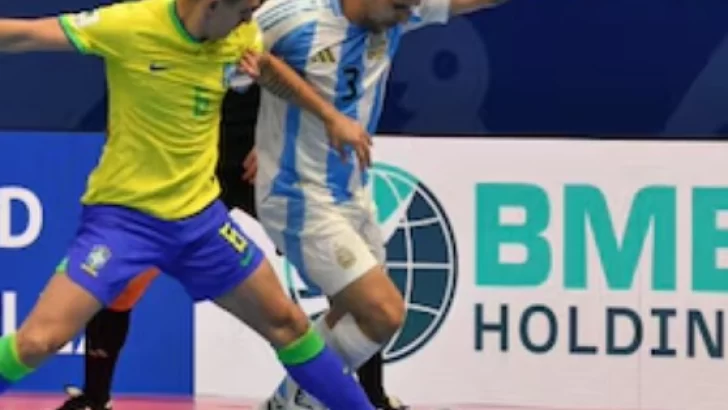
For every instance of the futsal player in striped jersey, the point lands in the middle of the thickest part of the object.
(152, 200)
(315, 207)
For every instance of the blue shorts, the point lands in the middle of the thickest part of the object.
(207, 253)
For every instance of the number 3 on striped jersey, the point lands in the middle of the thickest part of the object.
(352, 75)
(233, 237)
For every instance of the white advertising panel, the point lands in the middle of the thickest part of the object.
(543, 273)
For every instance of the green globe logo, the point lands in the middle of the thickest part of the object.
(421, 259)
(421, 256)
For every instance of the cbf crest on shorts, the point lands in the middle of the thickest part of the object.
(96, 260)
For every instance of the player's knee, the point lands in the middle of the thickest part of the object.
(287, 323)
(388, 317)
(382, 318)
(376, 304)
(37, 344)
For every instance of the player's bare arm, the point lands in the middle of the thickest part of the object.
(281, 80)
(24, 35)
(458, 7)
(278, 78)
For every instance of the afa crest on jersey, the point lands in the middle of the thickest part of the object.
(234, 79)
(86, 18)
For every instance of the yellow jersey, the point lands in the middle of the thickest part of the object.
(165, 93)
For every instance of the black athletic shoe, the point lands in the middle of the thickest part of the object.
(78, 401)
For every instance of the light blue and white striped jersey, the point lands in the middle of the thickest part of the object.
(347, 64)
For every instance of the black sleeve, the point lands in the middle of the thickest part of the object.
(237, 139)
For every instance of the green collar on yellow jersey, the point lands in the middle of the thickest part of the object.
(177, 21)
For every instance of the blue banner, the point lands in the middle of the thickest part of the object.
(645, 68)
(42, 177)
(650, 68)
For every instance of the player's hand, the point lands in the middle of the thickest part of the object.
(250, 64)
(250, 167)
(343, 131)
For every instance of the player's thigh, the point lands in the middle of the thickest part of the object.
(373, 296)
(229, 268)
(134, 291)
(220, 258)
(260, 302)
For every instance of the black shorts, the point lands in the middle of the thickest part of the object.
(237, 139)
(237, 193)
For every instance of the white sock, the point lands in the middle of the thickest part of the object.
(322, 327)
(347, 339)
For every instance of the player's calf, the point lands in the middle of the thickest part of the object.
(61, 311)
(260, 302)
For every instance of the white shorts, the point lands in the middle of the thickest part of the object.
(330, 245)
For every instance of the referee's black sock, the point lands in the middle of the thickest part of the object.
(371, 379)
(105, 337)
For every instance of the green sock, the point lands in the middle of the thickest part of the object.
(302, 350)
(12, 368)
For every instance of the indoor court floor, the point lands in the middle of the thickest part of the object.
(49, 402)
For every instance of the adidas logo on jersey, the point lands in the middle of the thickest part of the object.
(325, 56)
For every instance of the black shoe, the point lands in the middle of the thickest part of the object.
(391, 403)
(78, 401)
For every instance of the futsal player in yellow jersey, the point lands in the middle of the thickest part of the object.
(166, 89)
(152, 200)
